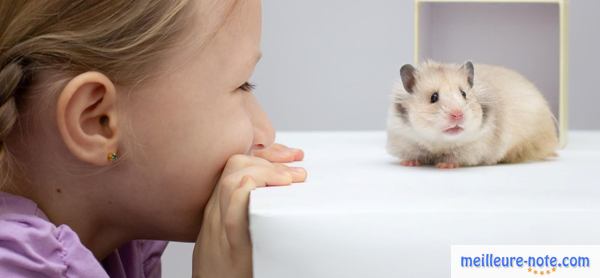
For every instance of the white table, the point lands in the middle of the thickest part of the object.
(361, 214)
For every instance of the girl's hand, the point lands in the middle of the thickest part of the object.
(223, 248)
(280, 153)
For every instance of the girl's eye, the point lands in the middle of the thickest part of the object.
(463, 94)
(434, 97)
(247, 87)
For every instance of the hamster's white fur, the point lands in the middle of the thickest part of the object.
(505, 119)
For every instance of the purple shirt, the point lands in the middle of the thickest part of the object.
(31, 246)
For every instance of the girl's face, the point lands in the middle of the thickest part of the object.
(185, 124)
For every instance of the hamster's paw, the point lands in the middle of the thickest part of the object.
(410, 163)
(447, 165)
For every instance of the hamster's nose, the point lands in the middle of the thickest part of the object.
(456, 115)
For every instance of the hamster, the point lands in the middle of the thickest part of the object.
(451, 115)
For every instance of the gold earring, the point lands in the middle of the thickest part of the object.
(112, 156)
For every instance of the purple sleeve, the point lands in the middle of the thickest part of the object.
(33, 247)
(153, 251)
(138, 258)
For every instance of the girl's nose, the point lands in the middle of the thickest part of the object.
(264, 135)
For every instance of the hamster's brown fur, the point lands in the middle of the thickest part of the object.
(501, 118)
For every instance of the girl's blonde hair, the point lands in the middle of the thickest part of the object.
(119, 38)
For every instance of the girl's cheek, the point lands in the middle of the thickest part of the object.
(242, 131)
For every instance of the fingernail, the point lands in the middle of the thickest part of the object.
(299, 154)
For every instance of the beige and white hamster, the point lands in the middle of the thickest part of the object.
(452, 115)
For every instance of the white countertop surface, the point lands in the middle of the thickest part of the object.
(361, 214)
(350, 171)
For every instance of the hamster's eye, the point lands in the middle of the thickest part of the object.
(435, 97)
(463, 94)
(247, 87)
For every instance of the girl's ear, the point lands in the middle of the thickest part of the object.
(87, 117)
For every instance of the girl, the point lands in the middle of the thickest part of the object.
(123, 123)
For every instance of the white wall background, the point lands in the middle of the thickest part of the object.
(584, 42)
(330, 64)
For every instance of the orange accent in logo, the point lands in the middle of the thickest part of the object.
(541, 272)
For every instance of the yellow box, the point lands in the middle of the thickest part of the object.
(529, 36)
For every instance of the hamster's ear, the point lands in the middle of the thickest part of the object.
(407, 73)
(468, 68)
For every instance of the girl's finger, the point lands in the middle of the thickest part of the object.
(280, 154)
(236, 220)
(298, 173)
(260, 174)
(240, 161)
